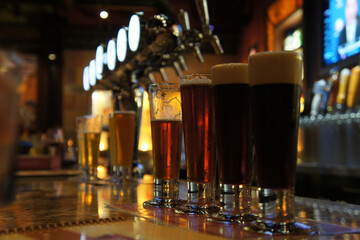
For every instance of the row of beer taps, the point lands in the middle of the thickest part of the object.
(164, 44)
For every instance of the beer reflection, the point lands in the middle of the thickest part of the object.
(103, 196)
(125, 193)
(145, 190)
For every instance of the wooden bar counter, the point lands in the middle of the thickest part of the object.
(62, 207)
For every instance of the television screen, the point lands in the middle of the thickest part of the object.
(341, 32)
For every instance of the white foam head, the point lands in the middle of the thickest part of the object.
(275, 67)
(230, 73)
(198, 79)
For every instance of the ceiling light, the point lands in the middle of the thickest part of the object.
(104, 14)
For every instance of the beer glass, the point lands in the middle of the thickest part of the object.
(275, 80)
(113, 150)
(80, 139)
(233, 140)
(124, 122)
(166, 130)
(10, 78)
(92, 131)
(199, 138)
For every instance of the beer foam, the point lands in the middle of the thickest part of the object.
(203, 79)
(124, 112)
(230, 73)
(275, 67)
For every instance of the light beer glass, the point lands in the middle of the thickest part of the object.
(233, 140)
(166, 131)
(92, 131)
(199, 138)
(80, 139)
(275, 80)
(124, 121)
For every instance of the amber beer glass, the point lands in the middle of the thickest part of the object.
(233, 140)
(166, 131)
(125, 139)
(275, 79)
(197, 109)
(92, 131)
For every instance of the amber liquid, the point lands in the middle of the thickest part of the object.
(232, 117)
(166, 139)
(112, 141)
(197, 110)
(81, 151)
(125, 137)
(92, 141)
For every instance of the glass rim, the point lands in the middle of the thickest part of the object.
(188, 78)
(91, 116)
(164, 85)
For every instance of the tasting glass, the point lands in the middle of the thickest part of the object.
(124, 126)
(233, 140)
(80, 139)
(275, 82)
(92, 132)
(166, 131)
(199, 138)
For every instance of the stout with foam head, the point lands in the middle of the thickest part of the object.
(275, 79)
(232, 120)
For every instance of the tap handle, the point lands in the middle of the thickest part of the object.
(163, 74)
(198, 54)
(152, 77)
(183, 62)
(202, 8)
(177, 68)
(184, 19)
(215, 43)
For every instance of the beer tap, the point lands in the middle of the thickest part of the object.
(202, 8)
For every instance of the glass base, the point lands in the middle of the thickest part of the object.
(166, 194)
(201, 199)
(270, 228)
(276, 214)
(236, 199)
(163, 202)
(231, 218)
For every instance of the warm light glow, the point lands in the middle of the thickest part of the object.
(104, 145)
(302, 103)
(101, 104)
(52, 57)
(144, 147)
(101, 172)
(145, 143)
(104, 14)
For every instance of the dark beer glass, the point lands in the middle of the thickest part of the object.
(197, 109)
(275, 79)
(166, 131)
(233, 140)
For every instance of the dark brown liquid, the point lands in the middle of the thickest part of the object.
(232, 117)
(197, 110)
(276, 118)
(166, 140)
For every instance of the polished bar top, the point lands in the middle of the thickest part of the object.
(62, 207)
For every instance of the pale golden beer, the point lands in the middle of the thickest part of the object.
(81, 151)
(92, 141)
(92, 132)
(125, 137)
